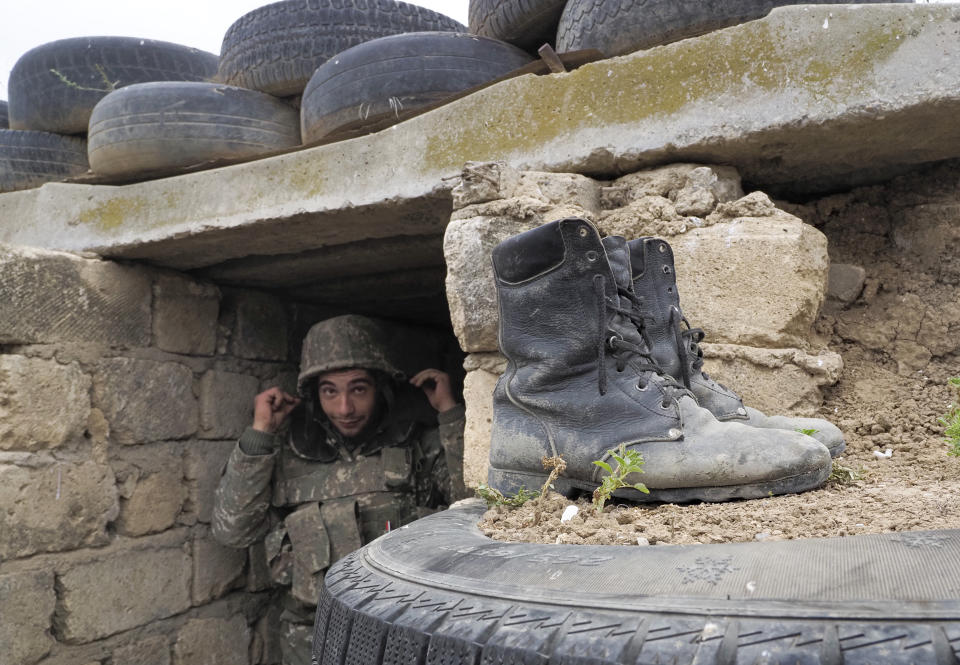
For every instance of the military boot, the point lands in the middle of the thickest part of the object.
(675, 346)
(580, 381)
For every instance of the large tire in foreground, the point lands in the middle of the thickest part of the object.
(276, 48)
(54, 87)
(438, 591)
(29, 159)
(370, 84)
(524, 23)
(151, 128)
(617, 27)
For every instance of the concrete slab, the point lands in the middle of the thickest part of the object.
(809, 99)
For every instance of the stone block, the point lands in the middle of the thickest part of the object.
(471, 291)
(153, 502)
(27, 600)
(216, 569)
(213, 642)
(146, 400)
(754, 281)
(43, 404)
(185, 314)
(203, 465)
(478, 396)
(226, 403)
(149, 651)
(119, 591)
(484, 181)
(259, 329)
(52, 506)
(96, 301)
(775, 381)
(845, 282)
(694, 189)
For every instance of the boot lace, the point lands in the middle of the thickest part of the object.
(622, 350)
(688, 347)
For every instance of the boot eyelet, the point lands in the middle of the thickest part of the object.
(669, 289)
(662, 248)
(666, 270)
(665, 405)
(642, 388)
(583, 232)
(591, 256)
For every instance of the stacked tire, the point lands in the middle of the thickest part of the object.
(54, 87)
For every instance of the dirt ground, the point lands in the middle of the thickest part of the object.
(899, 341)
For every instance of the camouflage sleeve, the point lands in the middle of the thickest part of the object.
(451, 438)
(242, 498)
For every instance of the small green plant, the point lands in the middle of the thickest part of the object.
(808, 432)
(495, 497)
(628, 461)
(951, 421)
(844, 475)
(110, 86)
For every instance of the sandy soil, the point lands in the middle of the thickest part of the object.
(889, 397)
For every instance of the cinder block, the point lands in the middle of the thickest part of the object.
(53, 506)
(43, 404)
(146, 400)
(27, 600)
(213, 642)
(226, 403)
(97, 301)
(121, 591)
(216, 568)
(185, 315)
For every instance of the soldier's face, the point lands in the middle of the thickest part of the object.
(349, 398)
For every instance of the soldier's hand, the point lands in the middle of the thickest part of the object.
(436, 385)
(271, 408)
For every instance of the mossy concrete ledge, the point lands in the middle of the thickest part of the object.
(807, 99)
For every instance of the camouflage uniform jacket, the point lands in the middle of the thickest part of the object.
(308, 514)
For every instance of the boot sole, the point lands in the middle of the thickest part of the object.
(510, 482)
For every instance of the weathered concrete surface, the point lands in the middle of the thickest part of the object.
(807, 98)
(103, 303)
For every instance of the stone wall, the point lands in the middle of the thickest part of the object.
(122, 391)
(753, 276)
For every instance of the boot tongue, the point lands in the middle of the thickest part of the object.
(618, 256)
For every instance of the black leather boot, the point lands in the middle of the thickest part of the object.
(676, 346)
(580, 381)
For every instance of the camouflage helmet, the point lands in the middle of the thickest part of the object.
(350, 341)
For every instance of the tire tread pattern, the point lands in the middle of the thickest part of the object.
(618, 27)
(396, 620)
(524, 23)
(276, 48)
(28, 159)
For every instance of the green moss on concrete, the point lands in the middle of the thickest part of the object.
(764, 57)
(114, 213)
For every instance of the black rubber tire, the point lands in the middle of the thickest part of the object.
(28, 159)
(276, 48)
(4, 121)
(55, 86)
(151, 128)
(438, 591)
(617, 27)
(370, 84)
(525, 23)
